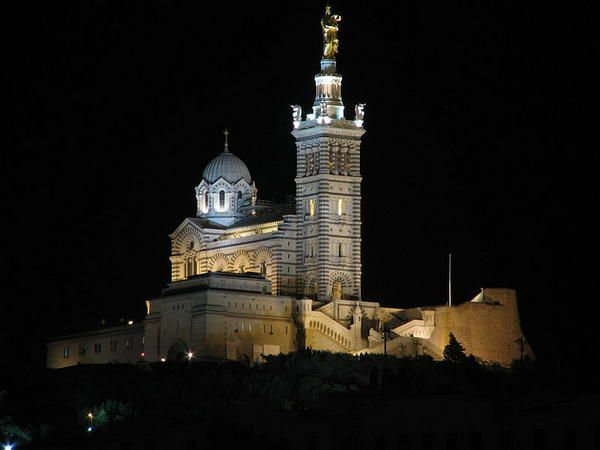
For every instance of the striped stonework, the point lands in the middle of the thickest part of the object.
(328, 199)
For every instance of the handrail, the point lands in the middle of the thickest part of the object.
(408, 325)
(329, 327)
(393, 344)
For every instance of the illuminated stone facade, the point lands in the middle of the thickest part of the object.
(315, 252)
(250, 278)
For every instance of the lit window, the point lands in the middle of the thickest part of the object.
(66, 352)
(340, 207)
(222, 200)
(205, 209)
(191, 267)
(311, 207)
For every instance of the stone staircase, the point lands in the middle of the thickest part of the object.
(324, 324)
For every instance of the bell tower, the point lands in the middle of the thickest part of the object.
(328, 183)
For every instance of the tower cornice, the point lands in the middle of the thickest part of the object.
(329, 177)
(336, 128)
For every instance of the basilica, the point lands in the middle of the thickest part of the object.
(250, 278)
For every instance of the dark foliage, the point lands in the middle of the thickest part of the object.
(454, 351)
(53, 405)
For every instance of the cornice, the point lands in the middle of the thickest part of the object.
(310, 129)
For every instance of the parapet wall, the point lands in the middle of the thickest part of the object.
(487, 330)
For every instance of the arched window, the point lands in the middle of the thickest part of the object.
(222, 200)
(190, 268)
(239, 195)
(340, 207)
(263, 268)
(347, 163)
(205, 201)
(311, 207)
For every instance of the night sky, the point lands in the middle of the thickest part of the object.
(474, 146)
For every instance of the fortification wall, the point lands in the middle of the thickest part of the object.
(488, 331)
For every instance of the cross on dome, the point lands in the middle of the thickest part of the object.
(226, 133)
(227, 166)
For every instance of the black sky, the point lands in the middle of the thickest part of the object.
(474, 145)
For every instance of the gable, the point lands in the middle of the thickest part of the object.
(187, 236)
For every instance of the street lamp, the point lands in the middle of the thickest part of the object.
(90, 418)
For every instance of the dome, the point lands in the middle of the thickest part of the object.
(228, 166)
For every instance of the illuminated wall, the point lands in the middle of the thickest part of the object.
(122, 344)
(487, 330)
(224, 316)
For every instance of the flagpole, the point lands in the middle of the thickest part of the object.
(449, 279)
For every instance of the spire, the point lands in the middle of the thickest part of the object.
(226, 133)
(328, 99)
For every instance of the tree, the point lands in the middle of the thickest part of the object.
(454, 352)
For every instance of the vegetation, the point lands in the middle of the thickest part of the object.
(42, 406)
(454, 351)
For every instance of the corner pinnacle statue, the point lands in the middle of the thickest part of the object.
(330, 27)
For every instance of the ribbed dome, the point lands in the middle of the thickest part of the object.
(228, 166)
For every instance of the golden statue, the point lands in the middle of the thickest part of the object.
(330, 27)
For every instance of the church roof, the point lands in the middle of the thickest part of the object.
(273, 216)
(205, 223)
(248, 221)
(227, 166)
